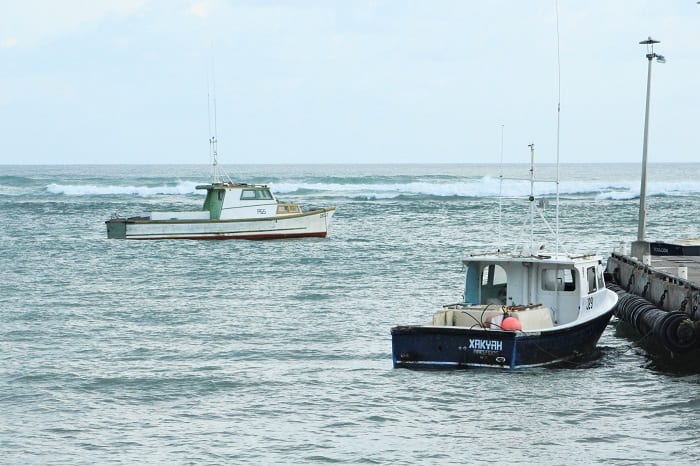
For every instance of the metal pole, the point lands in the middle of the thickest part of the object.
(641, 229)
(532, 197)
(500, 197)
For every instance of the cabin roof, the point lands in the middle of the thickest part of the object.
(231, 186)
(563, 259)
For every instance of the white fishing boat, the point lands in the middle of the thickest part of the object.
(230, 211)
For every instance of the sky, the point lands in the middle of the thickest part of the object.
(346, 81)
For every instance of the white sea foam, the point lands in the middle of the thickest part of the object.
(182, 188)
(631, 190)
(617, 196)
(481, 187)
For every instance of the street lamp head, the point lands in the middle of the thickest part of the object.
(649, 41)
(660, 58)
(650, 50)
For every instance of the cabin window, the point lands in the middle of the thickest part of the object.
(251, 194)
(558, 280)
(494, 284)
(287, 209)
(493, 275)
(591, 275)
(220, 195)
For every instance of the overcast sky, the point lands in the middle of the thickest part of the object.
(346, 81)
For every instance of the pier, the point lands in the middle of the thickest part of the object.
(658, 283)
(668, 283)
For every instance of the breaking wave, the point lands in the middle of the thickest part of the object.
(485, 187)
(182, 188)
(627, 191)
(488, 187)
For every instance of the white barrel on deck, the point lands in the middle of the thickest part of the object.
(683, 272)
(623, 248)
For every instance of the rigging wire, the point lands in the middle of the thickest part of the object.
(556, 240)
(500, 198)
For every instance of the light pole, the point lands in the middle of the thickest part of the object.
(641, 229)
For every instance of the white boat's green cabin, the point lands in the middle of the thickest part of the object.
(230, 211)
(228, 201)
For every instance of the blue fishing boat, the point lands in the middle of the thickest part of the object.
(520, 309)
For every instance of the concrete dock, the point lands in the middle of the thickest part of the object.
(673, 264)
(668, 282)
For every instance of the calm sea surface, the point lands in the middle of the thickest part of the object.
(240, 352)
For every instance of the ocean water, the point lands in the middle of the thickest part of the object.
(278, 352)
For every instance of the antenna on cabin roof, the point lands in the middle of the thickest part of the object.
(218, 175)
(531, 198)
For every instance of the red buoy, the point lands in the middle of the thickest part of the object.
(511, 323)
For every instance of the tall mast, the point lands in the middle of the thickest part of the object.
(218, 175)
(532, 195)
(213, 150)
(556, 234)
(500, 197)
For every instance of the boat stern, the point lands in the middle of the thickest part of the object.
(434, 347)
(116, 228)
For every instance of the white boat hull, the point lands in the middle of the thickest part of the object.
(307, 224)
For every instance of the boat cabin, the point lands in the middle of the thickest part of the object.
(235, 200)
(232, 201)
(567, 285)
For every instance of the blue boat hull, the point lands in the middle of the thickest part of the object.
(435, 347)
